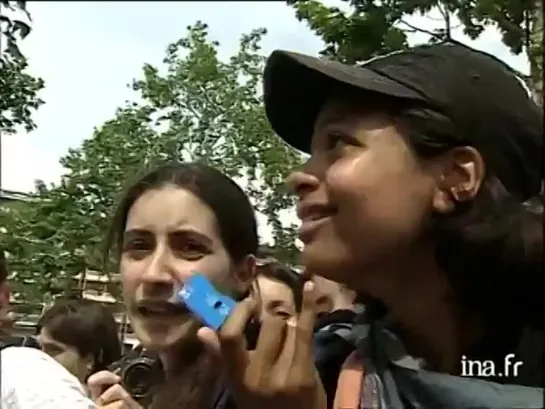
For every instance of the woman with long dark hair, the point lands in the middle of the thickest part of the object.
(174, 221)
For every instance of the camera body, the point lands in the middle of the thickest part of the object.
(140, 375)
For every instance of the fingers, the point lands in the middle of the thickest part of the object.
(117, 397)
(100, 381)
(115, 405)
(210, 340)
(305, 326)
(269, 345)
(231, 338)
(287, 356)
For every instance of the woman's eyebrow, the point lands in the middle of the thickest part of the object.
(192, 233)
(131, 233)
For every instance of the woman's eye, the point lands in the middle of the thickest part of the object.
(190, 250)
(136, 244)
(283, 315)
(336, 140)
(136, 248)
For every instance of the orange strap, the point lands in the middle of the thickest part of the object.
(349, 385)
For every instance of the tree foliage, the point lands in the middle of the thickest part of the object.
(18, 96)
(18, 89)
(13, 16)
(194, 107)
(372, 28)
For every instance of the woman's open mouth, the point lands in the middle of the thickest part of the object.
(160, 309)
(312, 218)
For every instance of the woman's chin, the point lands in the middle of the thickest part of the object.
(324, 260)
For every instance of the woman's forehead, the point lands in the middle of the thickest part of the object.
(342, 107)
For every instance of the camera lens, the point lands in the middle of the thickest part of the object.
(138, 379)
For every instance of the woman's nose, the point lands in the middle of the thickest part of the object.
(301, 183)
(158, 268)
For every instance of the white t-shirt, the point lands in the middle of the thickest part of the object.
(31, 379)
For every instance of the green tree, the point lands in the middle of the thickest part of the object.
(18, 96)
(18, 89)
(372, 28)
(13, 16)
(195, 107)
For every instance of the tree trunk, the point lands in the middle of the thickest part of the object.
(535, 51)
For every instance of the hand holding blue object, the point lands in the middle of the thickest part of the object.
(208, 304)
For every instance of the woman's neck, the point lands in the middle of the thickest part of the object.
(180, 356)
(421, 303)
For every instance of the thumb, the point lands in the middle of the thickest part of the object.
(210, 340)
(99, 381)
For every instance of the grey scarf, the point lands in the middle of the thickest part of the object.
(395, 380)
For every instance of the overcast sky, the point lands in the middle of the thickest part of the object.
(88, 52)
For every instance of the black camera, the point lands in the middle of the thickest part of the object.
(140, 375)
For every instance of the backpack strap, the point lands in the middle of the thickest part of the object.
(349, 385)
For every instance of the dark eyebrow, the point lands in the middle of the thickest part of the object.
(276, 303)
(323, 299)
(193, 234)
(329, 120)
(132, 233)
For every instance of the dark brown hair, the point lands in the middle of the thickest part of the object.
(88, 327)
(279, 272)
(491, 247)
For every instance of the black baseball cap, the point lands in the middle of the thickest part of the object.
(488, 104)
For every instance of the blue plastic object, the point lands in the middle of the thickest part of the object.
(207, 303)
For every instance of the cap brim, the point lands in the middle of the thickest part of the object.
(296, 86)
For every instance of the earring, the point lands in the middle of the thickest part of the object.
(457, 193)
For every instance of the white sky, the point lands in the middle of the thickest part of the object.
(87, 52)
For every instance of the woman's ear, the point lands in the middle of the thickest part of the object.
(89, 363)
(245, 274)
(462, 172)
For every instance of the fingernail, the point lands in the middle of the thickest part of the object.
(309, 286)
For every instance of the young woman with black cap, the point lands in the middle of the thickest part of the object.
(417, 195)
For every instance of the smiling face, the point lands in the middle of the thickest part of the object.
(169, 235)
(363, 194)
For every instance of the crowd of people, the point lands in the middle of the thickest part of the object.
(422, 222)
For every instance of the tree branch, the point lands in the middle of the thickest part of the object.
(419, 30)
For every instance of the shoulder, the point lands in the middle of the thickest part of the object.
(15, 360)
(32, 379)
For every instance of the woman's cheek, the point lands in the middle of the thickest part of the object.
(349, 175)
(213, 267)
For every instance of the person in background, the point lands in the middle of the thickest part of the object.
(334, 338)
(31, 379)
(279, 288)
(81, 335)
(333, 297)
